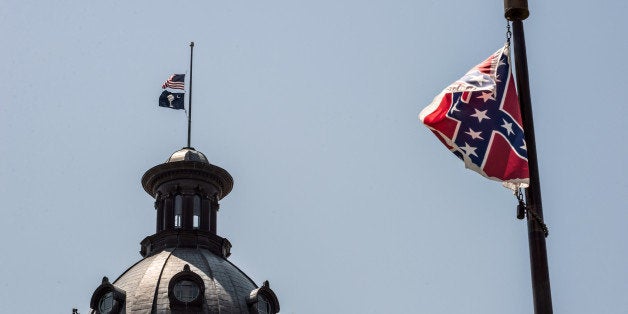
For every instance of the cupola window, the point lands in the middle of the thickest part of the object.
(178, 211)
(197, 212)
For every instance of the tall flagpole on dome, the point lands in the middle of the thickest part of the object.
(190, 96)
(516, 11)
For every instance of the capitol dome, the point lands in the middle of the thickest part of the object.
(184, 266)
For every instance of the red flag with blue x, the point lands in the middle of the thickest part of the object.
(479, 120)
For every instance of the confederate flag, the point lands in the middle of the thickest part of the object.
(479, 120)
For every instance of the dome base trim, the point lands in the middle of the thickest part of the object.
(185, 238)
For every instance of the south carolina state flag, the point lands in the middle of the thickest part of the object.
(479, 120)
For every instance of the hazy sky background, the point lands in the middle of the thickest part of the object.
(342, 199)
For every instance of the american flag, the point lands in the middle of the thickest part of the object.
(479, 120)
(175, 81)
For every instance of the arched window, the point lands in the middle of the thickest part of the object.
(178, 211)
(197, 212)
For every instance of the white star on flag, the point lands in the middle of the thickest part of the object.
(474, 135)
(469, 150)
(486, 96)
(480, 115)
(508, 127)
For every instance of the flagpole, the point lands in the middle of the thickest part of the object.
(517, 11)
(190, 96)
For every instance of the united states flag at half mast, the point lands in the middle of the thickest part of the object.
(175, 81)
(479, 120)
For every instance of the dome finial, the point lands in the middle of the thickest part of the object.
(187, 154)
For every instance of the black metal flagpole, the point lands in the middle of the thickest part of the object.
(517, 11)
(190, 96)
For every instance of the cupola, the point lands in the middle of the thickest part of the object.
(186, 189)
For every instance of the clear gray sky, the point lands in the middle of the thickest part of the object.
(342, 198)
